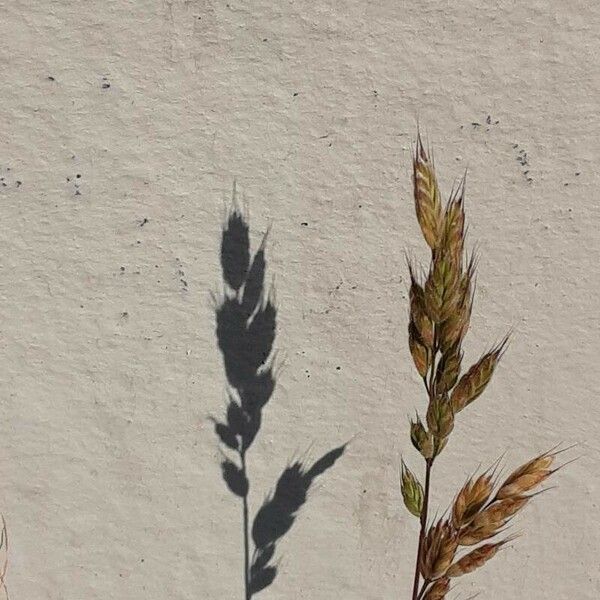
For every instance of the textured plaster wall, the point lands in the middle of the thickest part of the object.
(123, 126)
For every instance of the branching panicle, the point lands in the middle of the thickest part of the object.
(440, 313)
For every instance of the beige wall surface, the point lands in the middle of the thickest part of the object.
(123, 127)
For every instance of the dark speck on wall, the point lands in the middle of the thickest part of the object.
(304, 224)
(50, 78)
(143, 221)
(295, 94)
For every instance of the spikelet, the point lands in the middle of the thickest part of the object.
(453, 330)
(489, 522)
(442, 289)
(428, 205)
(420, 353)
(412, 491)
(418, 312)
(527, 476)
(422, 440)
(439, 547)
(440, 417)
(448, 370)
(475, 380)
(475, 559)
(454, 226)
(473, 535)
(438, 590)
(471, 498)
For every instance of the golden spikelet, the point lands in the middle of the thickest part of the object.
(454, 226)
(473, 535)
(475, 559)
(471, 498)
(439, 547)
(442, 290)
(488, 523)
(438, 590)
(420, 353)
(448, 370)
(453, 330)
(418, 312)
(527, 476)
(475, 380)
(428, 205)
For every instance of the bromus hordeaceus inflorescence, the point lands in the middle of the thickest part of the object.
(440, 311)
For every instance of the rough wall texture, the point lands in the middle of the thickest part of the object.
(124, 125)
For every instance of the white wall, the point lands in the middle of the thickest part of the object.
(109, 369)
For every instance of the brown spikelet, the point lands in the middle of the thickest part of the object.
(488, 522)
(420, 353)
(527, 476)
(439, 548)
(453, 330)
(448, 370)
(438, 590)
(454, 225)
(475, 559)
(475, 380)
(422, 440)
(472, 535)
(442, 291)
(471, 498)
(440, 416)
(422, 324)
(428, 205)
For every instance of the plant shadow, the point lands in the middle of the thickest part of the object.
(246, 324)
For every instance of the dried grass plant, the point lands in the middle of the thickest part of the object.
(441, 300)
